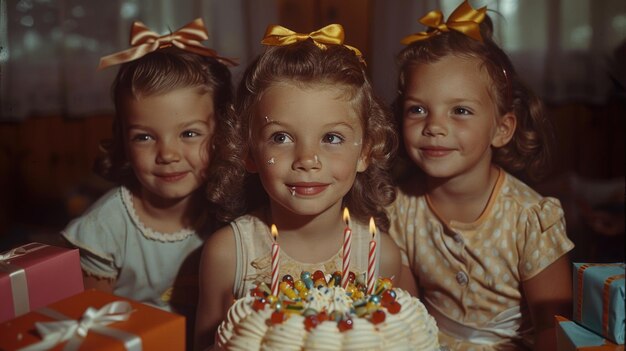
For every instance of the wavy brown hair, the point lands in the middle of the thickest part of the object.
(305, 63)
(529, 149)
(159, 72)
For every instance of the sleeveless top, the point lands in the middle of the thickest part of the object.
(254, 241)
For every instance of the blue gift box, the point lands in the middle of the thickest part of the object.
(572, 337)
(600, 298)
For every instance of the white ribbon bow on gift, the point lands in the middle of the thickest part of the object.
(13, 253)
(96, 320)
(20, 251)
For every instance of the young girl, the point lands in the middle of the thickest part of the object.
(142, 239)
(488, 252)
(319, 141)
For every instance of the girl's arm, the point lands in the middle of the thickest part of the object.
(549, 293)
(217, 276)
(391, 266)
(102, 284)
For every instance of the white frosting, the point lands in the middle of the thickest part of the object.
(329, 300)
(249, 333)
(412, 328)
(412, 323)
(239, 310)
(325, 336)
(363, 336)
(288, 335)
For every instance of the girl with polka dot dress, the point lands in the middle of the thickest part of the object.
(489, 254)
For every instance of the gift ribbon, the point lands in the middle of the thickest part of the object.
(332, 34)
(17, 276)
(464, 19)
(74, 331)
(20, 251)
(605, 293)
(145, 41)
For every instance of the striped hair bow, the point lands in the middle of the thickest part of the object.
(145, 41)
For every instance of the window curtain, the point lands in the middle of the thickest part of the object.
(565, 50)
(49, 49)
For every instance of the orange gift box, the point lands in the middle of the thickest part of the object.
(155, 329)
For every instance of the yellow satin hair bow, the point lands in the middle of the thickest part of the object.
(144, 41)
(464, 19)
(332, 34)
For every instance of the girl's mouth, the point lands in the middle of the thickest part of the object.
(306, 189)
(172, 177)
(435, 151)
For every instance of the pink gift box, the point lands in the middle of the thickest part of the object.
(35, 275)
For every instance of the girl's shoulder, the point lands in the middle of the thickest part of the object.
(529, 207)
(250, 222)
(108, 205)
(515, 190)
(410, 196)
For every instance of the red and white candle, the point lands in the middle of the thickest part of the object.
(347, 247)
(275, 261)
(372, 260)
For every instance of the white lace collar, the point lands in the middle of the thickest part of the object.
(127, 200)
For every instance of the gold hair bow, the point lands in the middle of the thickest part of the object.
(464, 19)
(332, 34)
(144, 41)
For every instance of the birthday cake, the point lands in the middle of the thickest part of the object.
(316, 313)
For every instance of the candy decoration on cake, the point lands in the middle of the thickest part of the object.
(316, 313)
(347, 247)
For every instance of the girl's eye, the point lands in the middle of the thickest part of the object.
(141, 137)
(189, 134)
(415, 110)
(281, 138)
(333, 139)
(462, 111)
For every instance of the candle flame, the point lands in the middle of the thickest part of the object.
(274, 232)
(372, 227)
(346, 216)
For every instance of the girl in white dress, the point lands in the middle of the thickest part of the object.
(142, 239)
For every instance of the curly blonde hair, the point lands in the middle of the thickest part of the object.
(305, 63)
(529, 149)
(159, 72)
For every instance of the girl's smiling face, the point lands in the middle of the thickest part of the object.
(167, 136)
(307, 146)
(449, 117)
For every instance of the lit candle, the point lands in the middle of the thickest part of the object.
(371, 260)
(275, 261)
(347, 247)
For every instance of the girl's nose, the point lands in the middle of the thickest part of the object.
(168, 152)
(435, 126)
(306, 159)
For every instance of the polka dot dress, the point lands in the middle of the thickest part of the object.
(472, 273)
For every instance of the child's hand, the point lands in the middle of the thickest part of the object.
(101, 284)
